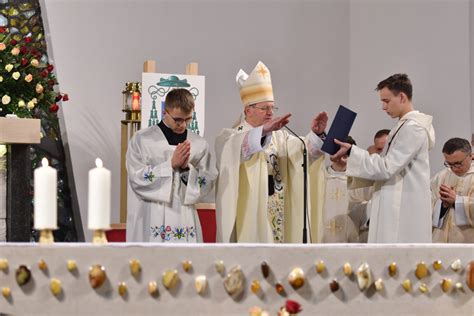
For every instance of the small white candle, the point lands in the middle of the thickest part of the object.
(99, 197)
(46, 206)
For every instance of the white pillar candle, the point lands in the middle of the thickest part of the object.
(45, 195)
(99, 197)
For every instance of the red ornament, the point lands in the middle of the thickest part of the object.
(50, 67)
(53, 108)
(293, 307)
(59, 97)
(13, 42)
(24, 61)
(28, 39)
(23, 49)
(44, 73)
(3, 29)
(65, 97)
(51, 82)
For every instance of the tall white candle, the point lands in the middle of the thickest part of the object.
(99, 197)
(46, 206)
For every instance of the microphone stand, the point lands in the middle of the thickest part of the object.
(305, 185)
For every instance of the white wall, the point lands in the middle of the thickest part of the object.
(428, 40)
(321, 54)
(98, 45)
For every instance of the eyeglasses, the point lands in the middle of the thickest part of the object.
(265, 108)
(179, 120)
(456, 164)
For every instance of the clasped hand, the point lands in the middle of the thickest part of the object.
(447, 195)
(181, 155)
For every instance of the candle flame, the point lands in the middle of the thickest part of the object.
(44, 162)
(98, 163)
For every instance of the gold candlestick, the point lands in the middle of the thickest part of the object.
(99, 237)
(46, 236)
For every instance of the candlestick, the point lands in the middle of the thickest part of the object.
(45, 197)
(99, 197)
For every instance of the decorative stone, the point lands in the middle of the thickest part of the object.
(347, 269)
(220, 267)
(6, 292)
(71, 265)
(200, 284)
(392, 269)
(22, 275)
(97, 276)
(122, 289)
(135, 267)
(459, 287)
(406, 284)
(265, 269)
(255, 286)
(296, 278)
(234, 281)
(379, 284)
(470, 275)
(320, 266)
(423, 288)
(170, 278)
(334, 285)
(421, 270)
(4, 264)
(364, 276)
(152, 288)
(187, 265)
(42, 265)
(280, 289)
(456, 265)
(437, 265)
(55, 287)
(446, 285)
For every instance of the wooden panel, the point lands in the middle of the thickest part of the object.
(19, 131)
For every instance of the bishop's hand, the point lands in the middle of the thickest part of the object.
(276, 123)
(319, 123)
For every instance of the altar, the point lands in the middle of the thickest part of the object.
(127, 291)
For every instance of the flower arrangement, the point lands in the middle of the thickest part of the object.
(26, 80)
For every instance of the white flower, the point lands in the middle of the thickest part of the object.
(9, 67)
(21, 104)
(15, 51)
(30, 105)
(34, 62)
(34, 100)
(6, 99)
(16, 75)
(39, 88)
(1, 79)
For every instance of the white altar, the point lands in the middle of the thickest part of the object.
(315, 296)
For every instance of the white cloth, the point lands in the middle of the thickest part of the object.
(457, 224)
(401, 206)
(166, 211)
(242, 186)
(338, 226)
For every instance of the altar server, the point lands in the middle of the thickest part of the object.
(169, 169)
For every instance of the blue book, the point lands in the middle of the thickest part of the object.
(340, 128)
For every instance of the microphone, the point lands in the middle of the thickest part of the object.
(305, 185)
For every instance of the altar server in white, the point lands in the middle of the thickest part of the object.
(169, 169)
(452, 192)
(401, 202)
(259, 193)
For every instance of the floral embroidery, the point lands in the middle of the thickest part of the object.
(166, 233)
(148, 175)
(276, 207)
(202, 181)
